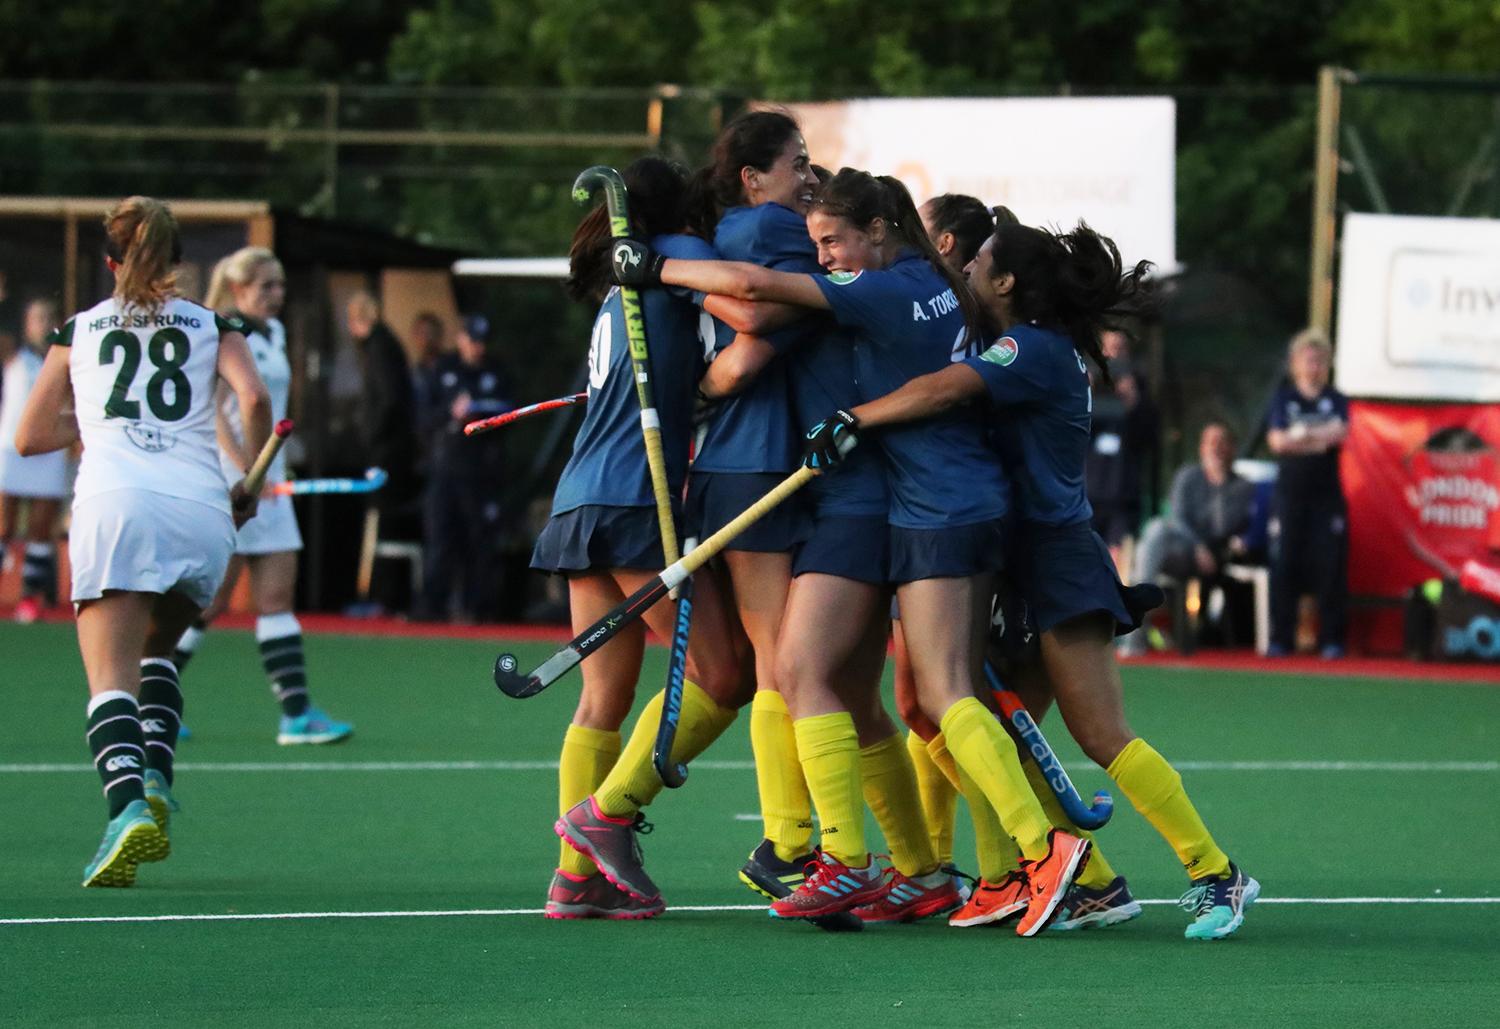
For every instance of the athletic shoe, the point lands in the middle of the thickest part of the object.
(312, 726)
(163, 805)
(1085, 907)
(1332, 652)
(1048, 879)
(907, 898)
(28, 610)
(773, 878)
(183, 733)
(831, 887)
(611, 844)
(963, 882)
(1219, 902)
(993, 903)
(130, 838)
(592, 896)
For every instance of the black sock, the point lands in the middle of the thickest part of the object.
(161, 713)
(39, 571)
(188, 645)
(284, 664)
(114, 736)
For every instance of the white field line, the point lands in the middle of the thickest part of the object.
(285, 916)
(744, 766)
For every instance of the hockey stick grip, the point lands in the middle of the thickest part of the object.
(255, 478)
(489, 424)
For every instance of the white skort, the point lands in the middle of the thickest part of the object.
(43, 476)
(272, 530)
(145, 542)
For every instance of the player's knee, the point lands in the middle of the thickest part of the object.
(908, 709)
(1103, 743)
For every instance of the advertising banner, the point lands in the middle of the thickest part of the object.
(1108, 160)
(1419, 308)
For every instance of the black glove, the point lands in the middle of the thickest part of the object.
(633, 263)
(829, 440)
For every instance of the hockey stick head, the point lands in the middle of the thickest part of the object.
(599, 175)
(511, 682)
(673, 774)
(1096, 814)
(375, 478)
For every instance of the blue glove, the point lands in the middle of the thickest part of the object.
(633, 263)
(829, 440)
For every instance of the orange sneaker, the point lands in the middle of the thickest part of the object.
(1050, 878)
(993, 903)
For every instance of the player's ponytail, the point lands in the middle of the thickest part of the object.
(238, 269)
(907, 224)
(1074, 281)
(141, 237)
(656, 189)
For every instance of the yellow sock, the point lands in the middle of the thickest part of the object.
(939, 797)
(891, 791)
(1155, 788)
(1098, 872)
(995, 852)
(987, 755)
(587, 757)
(937, 750)
(785, 807)
(829, 748)
(633, 782)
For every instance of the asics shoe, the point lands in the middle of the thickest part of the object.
(163, 805)
(1219, 902)
(312, 726)
(611, 844)
(1048, 879)
(592, 896)
(908, 898)
(993, 903)
(831, 887)
(1085, 907)
(130, 838)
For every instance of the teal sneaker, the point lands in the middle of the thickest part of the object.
(1220, 903)
(163, 805)
(1085, 907)
(312, 726)
(131, 837)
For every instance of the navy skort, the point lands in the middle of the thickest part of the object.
(951, 553)
(850, 547)
(717, 498)
(599, 537)
(1066, 571)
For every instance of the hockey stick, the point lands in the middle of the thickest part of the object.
(373, 480)
(674, 774)
(255, 478)
(615, 199)
(486, 424)
(514, 684)
(1083, 816)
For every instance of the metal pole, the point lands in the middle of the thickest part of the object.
(1325, 198)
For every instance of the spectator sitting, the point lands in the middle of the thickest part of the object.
(1308, 422)
(1205, 524)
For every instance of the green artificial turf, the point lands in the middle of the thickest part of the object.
(259, 839)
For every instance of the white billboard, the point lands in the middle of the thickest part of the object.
(1419, 308)
(1108, 160)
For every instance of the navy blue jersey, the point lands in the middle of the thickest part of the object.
(608, 465)
(1308, 477)
(752, 431)
(488, 389)
(1041, 402)
(941, 471)
(819, 362)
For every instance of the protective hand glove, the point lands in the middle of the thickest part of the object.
(829, 440)
(633, 263)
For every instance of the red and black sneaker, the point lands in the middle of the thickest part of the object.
(610, 843)
(830, 887)
(593, 896)
(908, 898)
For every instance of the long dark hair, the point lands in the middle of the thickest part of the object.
(657, 189)
(1072, 281)
(751, 140)
(967, 218)
(861, 197)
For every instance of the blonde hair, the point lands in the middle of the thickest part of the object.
(238, 269)
(142, 238)
(1309, 339)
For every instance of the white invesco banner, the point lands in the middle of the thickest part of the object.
(1419, 308)
(1108, 160)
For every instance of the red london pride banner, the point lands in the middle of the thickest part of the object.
(1423, 485)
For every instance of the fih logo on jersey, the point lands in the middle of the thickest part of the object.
(150, 438)
(114, 764)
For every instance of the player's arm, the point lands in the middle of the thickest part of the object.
(923, 397)
(633, 263)
(238, 456)
(47, 420)
(236, 366)
(747, 316)
(736, 366)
